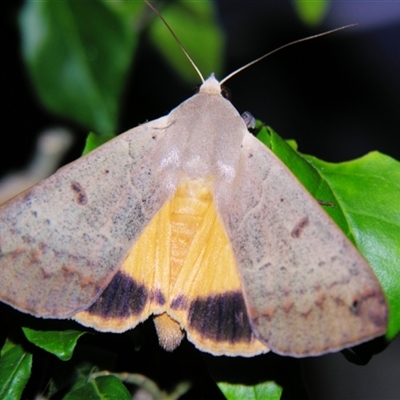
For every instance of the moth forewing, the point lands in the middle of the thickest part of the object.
(63, 240)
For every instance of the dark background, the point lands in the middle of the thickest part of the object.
(338, 97)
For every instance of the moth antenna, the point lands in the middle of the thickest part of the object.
(177, 40)
(282, 47)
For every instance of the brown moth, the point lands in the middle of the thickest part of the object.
(191, 219)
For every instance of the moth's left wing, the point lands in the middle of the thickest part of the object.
(63, 240)
(307, 289)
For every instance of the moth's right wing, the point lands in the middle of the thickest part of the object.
(307, 289)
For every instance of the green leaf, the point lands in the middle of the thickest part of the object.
(59, 343)
(8, 345)
(93, 141)
(83, 372)
(368, 192)
(262, 391)
(104, 387)
(310, 178)
(15, 370)
(193, 22)
(311, 12)
(78, 54)
(127, 9)
(366, 197)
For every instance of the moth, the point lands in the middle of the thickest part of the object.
(190, 219)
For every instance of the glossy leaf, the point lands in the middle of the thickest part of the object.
(368, 192)
(59, 343)
(262, 391)
(78, 63)
(15, 370)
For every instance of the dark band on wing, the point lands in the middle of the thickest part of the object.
(221, 317)
(158, 297)
(180, 303)
(122, 298)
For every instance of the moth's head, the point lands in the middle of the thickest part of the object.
(210, 86)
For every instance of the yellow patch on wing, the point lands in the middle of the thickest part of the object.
(182, 269)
